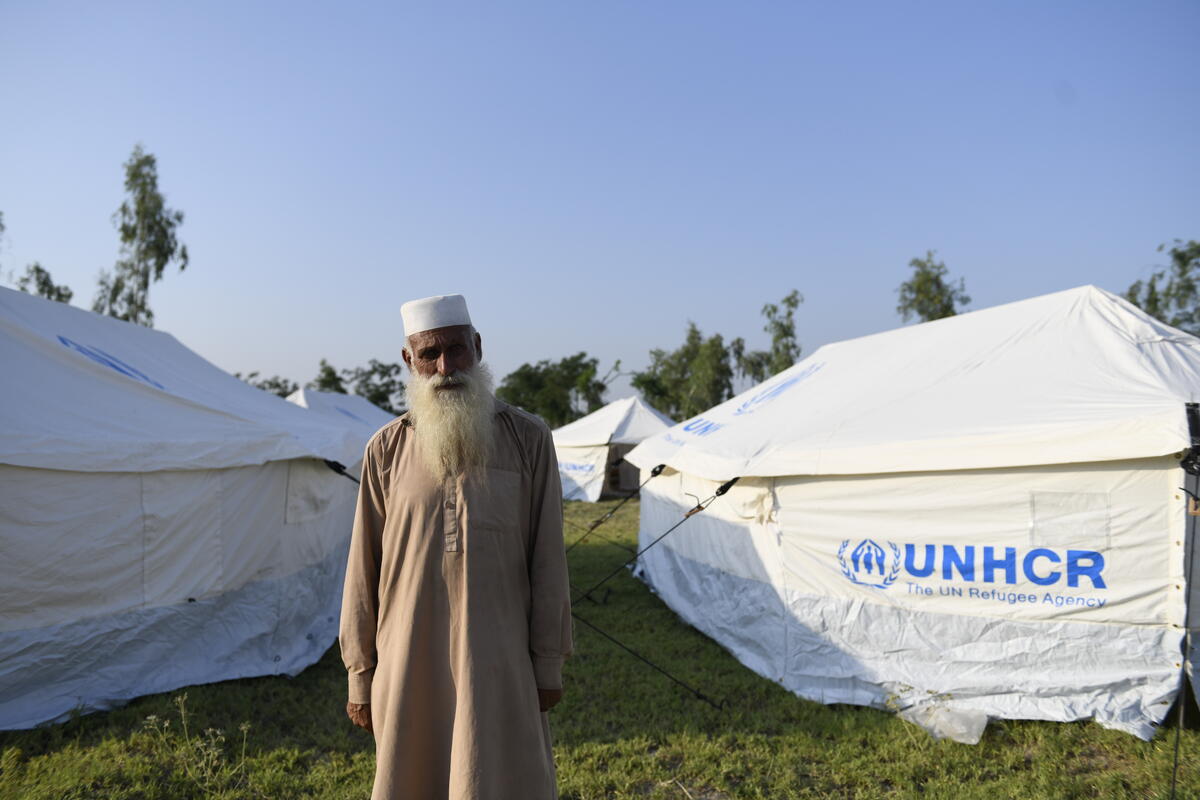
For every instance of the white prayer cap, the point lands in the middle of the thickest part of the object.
(439, 311)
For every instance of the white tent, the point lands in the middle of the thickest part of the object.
(358, 413)
(588, 447)
(978, 516)
(161, 522)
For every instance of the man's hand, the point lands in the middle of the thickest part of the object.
(360, 715)
(548, 698)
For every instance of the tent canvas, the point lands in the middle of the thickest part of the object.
(588, 447)
(350, 410)
(973, 517)
(161, 522)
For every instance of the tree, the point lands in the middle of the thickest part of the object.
(380, 383)
(785, 350)
(275, 384)
(327, 379)
(39, 280)
(148, 244)
(557, 391)
(928, 295)
(1173, 294)
(686, 381)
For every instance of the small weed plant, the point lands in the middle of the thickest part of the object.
(203, 758)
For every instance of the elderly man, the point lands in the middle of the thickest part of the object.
(456, 615)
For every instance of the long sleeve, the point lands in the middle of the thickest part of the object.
(550, 614)
(360, 595)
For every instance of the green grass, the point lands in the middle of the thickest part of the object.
(622, 731)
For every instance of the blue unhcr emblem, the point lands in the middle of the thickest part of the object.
(771, 392)
(109, 360)
(352, 415)
(868, 563)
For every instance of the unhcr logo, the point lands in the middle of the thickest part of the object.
(771, 392)
(352, 415)
(109, 360)
(868, 564)
(699, 426)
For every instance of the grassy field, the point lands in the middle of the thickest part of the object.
(623, 731)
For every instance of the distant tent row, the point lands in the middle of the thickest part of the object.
(357, 413)
(162, 523)
(590, 449)
(969, 518)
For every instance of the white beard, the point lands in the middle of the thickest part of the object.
(454, 426)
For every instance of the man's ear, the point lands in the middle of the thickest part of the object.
(404, 354)
(478, 347)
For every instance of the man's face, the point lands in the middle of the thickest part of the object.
(443, 352)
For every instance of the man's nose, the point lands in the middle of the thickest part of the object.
(443, 365)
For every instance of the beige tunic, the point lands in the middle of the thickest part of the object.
(456, 610)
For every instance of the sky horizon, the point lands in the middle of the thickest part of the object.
(594, 176)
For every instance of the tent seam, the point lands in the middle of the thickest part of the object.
(145, 530)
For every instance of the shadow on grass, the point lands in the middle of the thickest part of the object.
(611, 695)
(620, 717)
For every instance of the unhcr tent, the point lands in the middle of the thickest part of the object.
(161, 522)
(590, 448)
(358, 413)
(977, 516)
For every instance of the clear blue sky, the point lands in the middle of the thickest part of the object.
(594, 174)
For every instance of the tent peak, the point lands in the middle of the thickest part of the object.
(1072, 376)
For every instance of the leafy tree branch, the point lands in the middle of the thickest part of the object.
(1173, 294)
(928, 294)
(148, 244)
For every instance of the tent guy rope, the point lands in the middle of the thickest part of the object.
(587, 594)
(699, 695)
(654, 473)
(703, 504)
(340, 469)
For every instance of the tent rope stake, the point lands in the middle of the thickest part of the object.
(602, 601)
